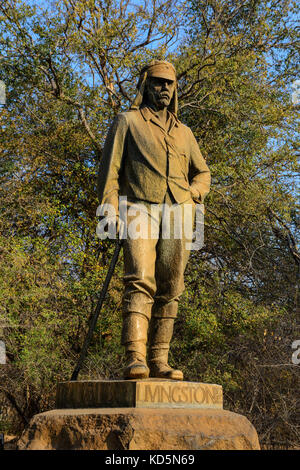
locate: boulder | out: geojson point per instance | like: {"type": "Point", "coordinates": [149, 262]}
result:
{"type": "Point", "coordinates": [139, 429]}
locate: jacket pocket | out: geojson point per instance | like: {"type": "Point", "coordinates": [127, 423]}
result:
{"type": "Point", "coordinates": [183, 160]}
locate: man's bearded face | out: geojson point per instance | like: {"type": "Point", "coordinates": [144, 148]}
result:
{"type": "Point", "coordinates": [159, 91]}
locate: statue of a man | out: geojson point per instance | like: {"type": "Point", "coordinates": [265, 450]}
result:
{"type": "Point", "coordinates": [152, 158]}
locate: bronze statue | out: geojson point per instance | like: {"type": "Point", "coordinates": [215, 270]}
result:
{"type": "Point", "coordinates": [152, 158]}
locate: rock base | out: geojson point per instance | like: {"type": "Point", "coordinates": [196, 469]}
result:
{"type": "Point", "coordinates": [139, 429]}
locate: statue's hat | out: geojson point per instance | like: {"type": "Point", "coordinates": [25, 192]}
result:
{"type": "Point", "coordinates": [161, 69]}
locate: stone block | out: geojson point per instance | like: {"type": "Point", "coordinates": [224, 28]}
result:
{"type": "Point", "coordinates": [149, 393]}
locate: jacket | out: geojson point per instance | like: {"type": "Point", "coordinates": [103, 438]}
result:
{"type": "Point", "coordinates": [142, 159]}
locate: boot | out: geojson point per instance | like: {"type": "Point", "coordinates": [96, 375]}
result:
{"type": "Point", "coordinates": [134, 338]}
{"type": "Point", "coordinates": [161, 331]}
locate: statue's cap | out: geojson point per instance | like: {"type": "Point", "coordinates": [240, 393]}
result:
{"type": "Point", "coordinates": [161, 69]}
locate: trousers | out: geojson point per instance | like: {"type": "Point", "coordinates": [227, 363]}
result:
{"type": "Point", "coordinates": [155, 255]}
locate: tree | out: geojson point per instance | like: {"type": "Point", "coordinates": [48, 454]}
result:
{"type": "Point", "coordinates": [69, 68]}
{"type": "Point", "coordinates": [235, 94]}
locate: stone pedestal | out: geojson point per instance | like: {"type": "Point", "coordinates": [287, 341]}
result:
{"type": "Point", "coordinates": [151, 414]}
{"type": "Point", "coordinates": [149, 393]}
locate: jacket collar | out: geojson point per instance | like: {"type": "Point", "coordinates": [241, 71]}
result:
{"type": "Point", "coordinates": [149, 115]}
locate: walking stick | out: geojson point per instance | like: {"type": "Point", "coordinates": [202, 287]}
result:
{"type": "Point", "coordinates": [97, 310]}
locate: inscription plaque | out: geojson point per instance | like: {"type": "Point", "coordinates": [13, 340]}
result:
{"type": "Point", "coordinates": [149, 393]}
